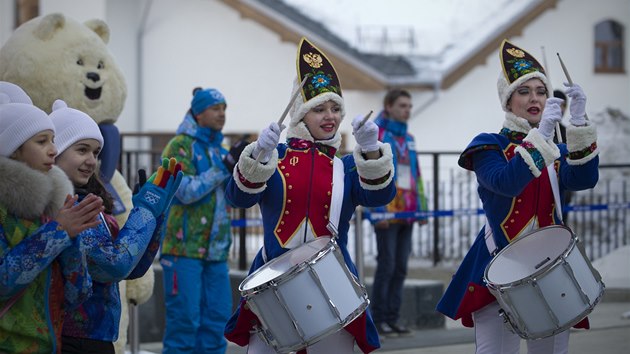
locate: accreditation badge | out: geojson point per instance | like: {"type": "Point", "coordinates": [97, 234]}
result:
{"type": "Point", "coordinates": [403, 176]}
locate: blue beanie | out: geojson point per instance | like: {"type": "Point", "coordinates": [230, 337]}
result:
{"type": "Point", "coordinates": [204, 98]}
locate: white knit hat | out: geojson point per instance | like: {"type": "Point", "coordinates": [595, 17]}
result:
{"type": "Point", "coordinates": [72, 125]}
{"type": "Point", "coordinates": [518, 67]}
{"type": "Point", "coordinates": [18, 123]}
{"type": "Point", "coordinates": [14, 92]}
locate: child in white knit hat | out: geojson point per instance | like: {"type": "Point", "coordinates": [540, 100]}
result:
{"type": "Point", "coordinates": [113, 254]}
{"type": "Point", "coordinates": [38, 229]}
{"type": "Point", "coordinates": [14, 92]}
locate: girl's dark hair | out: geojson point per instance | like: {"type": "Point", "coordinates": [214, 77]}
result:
{"type": "Point", "coordinates": [96, 187]}
{"type": "Point", "coordinates": [392, 95]}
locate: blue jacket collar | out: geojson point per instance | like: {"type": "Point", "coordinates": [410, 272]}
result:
{"type": "Point", "coordinates": [390, 125]}
{"type": "Point", "coordinates": [190, 127]}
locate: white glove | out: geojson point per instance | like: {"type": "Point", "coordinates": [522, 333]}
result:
{"type": "Point", "coordinates": [577, 108]}
{"type": "Point", "coordinates": [267, 142]}
{"type": "Point", "coordinates": [551, 115]}
{"type": "Point", "coordinates": [367, 135]}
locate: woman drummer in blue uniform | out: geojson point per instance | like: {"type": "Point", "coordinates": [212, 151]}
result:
{"type": "Point", "coordinates": [293, 184]}
{"type": "Point", "coordinates": [515, 187]}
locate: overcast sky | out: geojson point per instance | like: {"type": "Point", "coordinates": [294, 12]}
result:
{"type": "Point", "coordinates": [434, 24]}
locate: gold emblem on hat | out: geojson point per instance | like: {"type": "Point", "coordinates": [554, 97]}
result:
{"type": "Point", "coordinates": [517, 53]}
{"type": "Point", "coordinates": [313, 59]}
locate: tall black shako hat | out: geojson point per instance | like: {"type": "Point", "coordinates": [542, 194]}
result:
{"type": "Point", "coordinates": [518, 66]}
{"type": "Point", "coordinates": [322, 84]}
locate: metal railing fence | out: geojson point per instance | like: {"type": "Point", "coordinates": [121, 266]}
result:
{"type": "Point", "coordinates": [600, 216]}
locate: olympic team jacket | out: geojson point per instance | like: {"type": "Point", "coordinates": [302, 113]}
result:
{"type": "Point", "coordinates": [113, 255]}
{"type": "Point", "coordinates": [409, 185]}
{"type": "Point", "coordinates": [41, 267]}
{"type": "Point", "coordinates": [295, 193]}
{"type": "Point", "coordinates": [198, 223]}
{"type": "Point", "coordinates": [515, 190]}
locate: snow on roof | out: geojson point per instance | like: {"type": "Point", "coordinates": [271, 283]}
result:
{"type": "Point", "coordinates": [433, 35]}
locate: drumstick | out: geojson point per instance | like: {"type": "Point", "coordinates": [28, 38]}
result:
{"type": "Point", "coordinates": [365, 119]}
{"type": "Point", "coordinates": [284, 114]}
{"type": "Point", "coordinates": [566, 73]}
{"type": "Point", "coordinates": [558, 132]}
{"type": "Point", "coordinates": [293, 97]}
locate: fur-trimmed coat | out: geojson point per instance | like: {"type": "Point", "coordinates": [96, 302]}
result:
{"type": "Point", "coordinates": [296, 194]}
{"type": "Point", "coordinates": [516, 192]}
{"type": "Point", "coordinates": [41, 267]}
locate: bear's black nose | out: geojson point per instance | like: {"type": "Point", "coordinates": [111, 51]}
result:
{"type": "Point", "coordinates": [93, 76]}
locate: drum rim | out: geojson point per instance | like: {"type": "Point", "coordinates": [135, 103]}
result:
{"type": "Point", "coordinates": [330, 246]}
{"type": "Point", "coordinates": [544, 334]}
{"type": "Point", "coordinates": [262, 331]}
{"type": "Point", "coordinates": [538, 273]}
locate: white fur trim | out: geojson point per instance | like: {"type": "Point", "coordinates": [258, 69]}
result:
{"type": "Point", "coordinates": [547, 149]}
{"type": "Point", "coordinates": [62, 187]}
{"type": "Point", "coordinates": [28, 193]}
{"type": "Point", "coordinates": [579, 138]}
{"type": "Point", "coordinates": [505, 89]}
{"type": "Point", "coordinates": [299, 107]}
{"type": "Point", "coordinates": [301, 132]}
{"type": "Point", "coordinates": [375, 169]}
{"type": "Point", "coordinates": [516, 123]}
{"type": "Point", "coordinates": [255, 172]}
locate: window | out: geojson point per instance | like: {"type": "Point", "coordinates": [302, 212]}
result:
{"type": "Point", "coordinates": [609, 47]}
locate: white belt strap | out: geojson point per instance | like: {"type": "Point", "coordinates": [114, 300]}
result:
{"type": "Point", "coordinates": [336, 199]}
{"type": "Point", "coordinates": [553, 179]}
{"type": "Point", "coordinates": [489, 238]}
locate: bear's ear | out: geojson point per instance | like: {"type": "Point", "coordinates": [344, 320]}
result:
{"type": "Point", "coordinates": [49, 25]}
{"type": "Point", "coordinates": [100, 28]}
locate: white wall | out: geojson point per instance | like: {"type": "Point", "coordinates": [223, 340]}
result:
{"type": "Point", "coordinates": [7, 19]}
{"type": "Point", "coordinates": [472, 106]}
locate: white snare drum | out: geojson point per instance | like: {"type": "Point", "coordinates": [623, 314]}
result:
{"type": "Point", "coordinates": [304, 295]}
{"type": "Point", "coordinates": [543, 283]}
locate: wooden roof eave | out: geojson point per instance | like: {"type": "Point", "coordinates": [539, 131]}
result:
{"type": "Point", "coordinates": [356, 75]}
